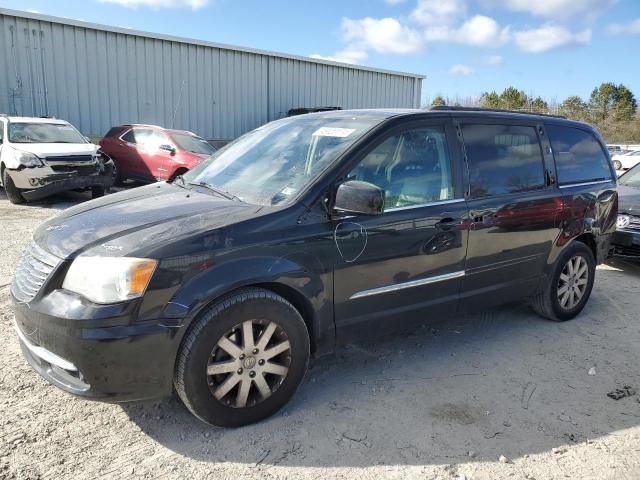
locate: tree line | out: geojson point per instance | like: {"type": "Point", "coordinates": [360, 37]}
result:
{"type": "Point", "coordinates": [612, 108]}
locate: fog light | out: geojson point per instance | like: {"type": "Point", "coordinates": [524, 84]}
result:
{"type": "Point", "coordinates": [33, 182]}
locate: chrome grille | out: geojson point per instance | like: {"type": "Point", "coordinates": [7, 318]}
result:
{"type": "Point", "coordinates": [70, 158]}
{"type": "Point", "coordinates": [33, 270]}
{"type": "Point", "coordinates": [634, 223]}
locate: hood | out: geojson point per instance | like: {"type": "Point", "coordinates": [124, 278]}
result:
{"type": "Point", "coordinates": [56, 149]}
{"type": "Point", "coordinates": [137, 220]}
{"type": "Point", "coordinates": [628, 200]}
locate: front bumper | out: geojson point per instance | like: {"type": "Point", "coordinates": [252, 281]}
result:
{"type": "Point", "coordinates": [96, 351]}
{"type": "Point", "coordinates": [39, 182]}
{"type": "Point", "coordinates": [626, 243]}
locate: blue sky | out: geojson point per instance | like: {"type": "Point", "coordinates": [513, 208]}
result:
{"type": "Point", "coordinates": [552, 48]}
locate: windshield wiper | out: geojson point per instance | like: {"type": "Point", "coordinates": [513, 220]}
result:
{"type": "Point", "coordinates": [222, 193]}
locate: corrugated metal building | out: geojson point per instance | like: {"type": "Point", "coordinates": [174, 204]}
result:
{"type": "Point", "coordinates": [97, 76]}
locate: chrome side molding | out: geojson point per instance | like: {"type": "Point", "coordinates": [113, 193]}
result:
{"type": "Point", "coordinates": [411, 284]}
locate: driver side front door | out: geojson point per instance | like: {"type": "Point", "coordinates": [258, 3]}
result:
{"type": "Point", "coordinates": [408, 261]}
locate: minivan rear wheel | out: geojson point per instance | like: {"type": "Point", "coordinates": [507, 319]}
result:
{"type": "Point", "coordinates": [570, 285]}
{"type": "Point", "coordinates": [242, 359]}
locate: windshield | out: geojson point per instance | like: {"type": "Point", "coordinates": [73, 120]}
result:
{"type": "Point", "coordinates": [271, 164]}
{"type": "Point", "coordinates": [22, 132]}
{"type": "Point", "coordinates": [193, 144]}
{"type": "Point", "coordinates": [631, 178]}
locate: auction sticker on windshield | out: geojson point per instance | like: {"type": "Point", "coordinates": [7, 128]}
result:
{"type": "Point", "coordinates": [333, 132]}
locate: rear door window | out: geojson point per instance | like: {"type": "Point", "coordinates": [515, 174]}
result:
{"type": "Point", "coordinates": [503, 159]}
{"type": "Point", "coordinates": [579, 156]}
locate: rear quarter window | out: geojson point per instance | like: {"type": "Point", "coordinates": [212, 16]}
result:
{"type": "Point", "coordinates": [579, 156]}
{"type": "Point", "coordinates": [114, 131]}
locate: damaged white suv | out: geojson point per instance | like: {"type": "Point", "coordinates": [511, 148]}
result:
{"type": "Point", "coordinates": [43, 156]}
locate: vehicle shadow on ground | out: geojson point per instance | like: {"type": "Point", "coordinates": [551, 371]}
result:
{"type": "Point", "coordinates": [500, 382]}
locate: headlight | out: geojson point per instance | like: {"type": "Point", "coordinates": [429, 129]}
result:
{"type": "Point", "coordinates": [623, 221]}
{"type": "Point", "coordinates": [109, 280]}
{"type": "Point", "coordinates": [28, 159]}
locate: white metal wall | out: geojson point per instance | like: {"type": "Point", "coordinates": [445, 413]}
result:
{"type": "Point", "coordinates": [96, 77]}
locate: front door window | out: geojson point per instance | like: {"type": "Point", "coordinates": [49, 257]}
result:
{"type": "Point", "coordinates": [412, 167]}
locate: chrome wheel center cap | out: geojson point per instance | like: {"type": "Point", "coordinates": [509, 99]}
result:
{"type": "Point", "coordinates": [249, 362]}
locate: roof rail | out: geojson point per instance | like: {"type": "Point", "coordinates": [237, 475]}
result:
{"type": "Point", "coordinates": [143, 125]}
{"type": "Point", "coordinates": [444, 108]}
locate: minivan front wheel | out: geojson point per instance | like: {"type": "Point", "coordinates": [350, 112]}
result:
{"type": "Point", "coordinates": [570, 285]}
{"type": "Point", "coordinates": [242, 359]}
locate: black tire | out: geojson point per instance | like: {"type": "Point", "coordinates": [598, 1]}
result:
{"type": "Point", "coordinates": [548, 303]}
{"type": "Point", "coordinates": [97, 192]}
{"type": "Point", "coordinates": [10, 189]}
{"type": "Point", "coordinates": [191, 378]}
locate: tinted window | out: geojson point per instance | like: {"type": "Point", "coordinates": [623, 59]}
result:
{"type": "Point", "coordinates": [138, 135]}
{"type": "Point", "coordinates": [113, 131]}
{"type": "Point", "coordinates": [193, 144]}
{"type": "Point", "coordinates": [503, 159]}
{"type": "Point", "coordinates": [412, 167]}
{"type": "Point", "coordinates": [579, 156]}
{"type": "Point", "coordinates": [129, 137]}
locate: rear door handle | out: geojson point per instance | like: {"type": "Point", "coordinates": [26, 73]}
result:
{"type": "Point", "coordinates": [447, 223]}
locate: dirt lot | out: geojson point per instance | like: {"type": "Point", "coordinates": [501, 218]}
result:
{"type": "Point", "coordinates": [444, 402]}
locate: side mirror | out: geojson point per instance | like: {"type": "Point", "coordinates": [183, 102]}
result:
{"type": "Point", "coordinates": [359, 197]}
{"type": "Point", "coordinates": [168, 148]}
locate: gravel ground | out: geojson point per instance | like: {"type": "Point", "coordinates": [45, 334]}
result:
{"type": "Point", "coordinates": [447, 401]}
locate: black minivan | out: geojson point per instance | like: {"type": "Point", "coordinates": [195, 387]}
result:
{"type": "Point", "coordinates": [301, 233]}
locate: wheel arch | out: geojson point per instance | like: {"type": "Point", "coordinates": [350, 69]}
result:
{"type": "Point", "coordinates": [299, 301]}
{"type": "Point", "coordinates": [308, 290]}
{"type": "Point", "coordinates": [589, 240]}
{"type": "Point", "coordinates": [178, 171]}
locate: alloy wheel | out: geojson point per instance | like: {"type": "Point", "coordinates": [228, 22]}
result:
{"type": "Point", "coordinates": [573, 281]}
{"type": "Point", "coordinates": [249, 363]}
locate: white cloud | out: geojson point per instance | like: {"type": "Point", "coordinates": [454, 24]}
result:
{"type": "Point", "coordinates": [632, 27]}
{"type": "Point", "coordinates": [193, 4]}
{"type": "Point", "coordinates": [393, 3]}
{"type": "Point", "coordinates": [549, 37]}
{"type": "Point", "coordinates": [478, 31]}
{"type": "Point", "coordinates": [564, 9]}
{"type": "Point", "coordinates": [493, 60]}
{"type": "Point", "coordinates": [460, 70]}
{"type": "Point", "coordinates": [384, 35]}
{"type": "Point", "coordinates": [344, 56]}
{"type": "Point", "coordinates": [438, 12]}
